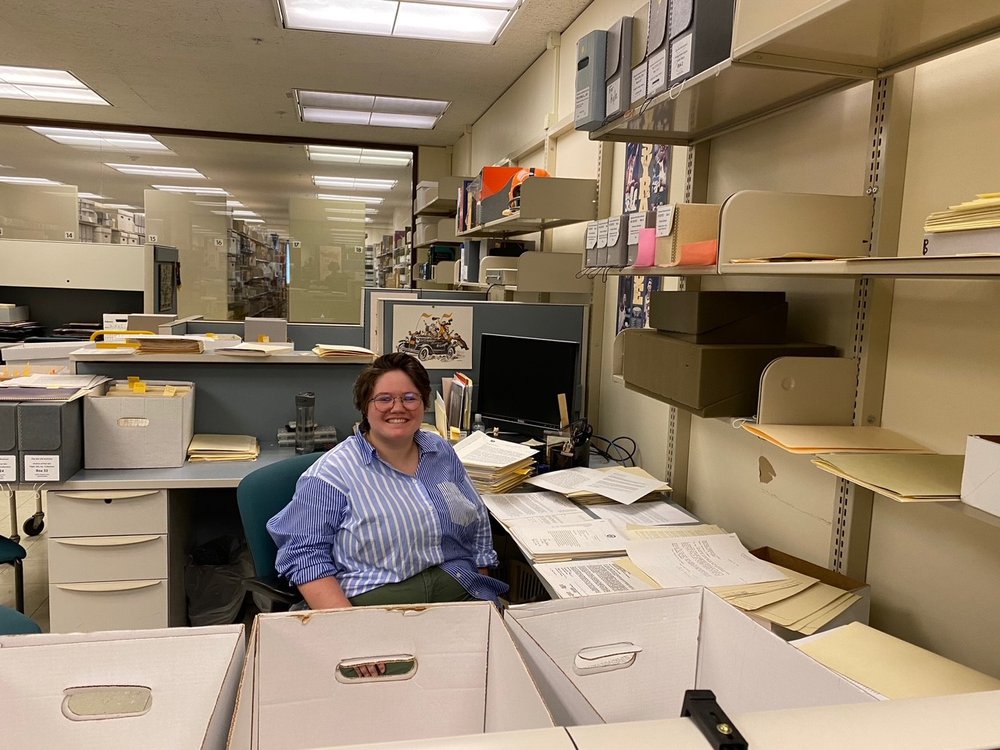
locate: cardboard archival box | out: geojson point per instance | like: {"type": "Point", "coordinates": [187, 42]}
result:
{"type": "Point", "coordinates": [554, 738]}
{"type": "Point", "coordinates": [169, 689]}
{"type": "Point", "coordinates": [710, 380]}
{"type": "Point", "coordinates": [857, 612]}
{"type": "Point", "coordinates": [690, 223]}
{"type": "Point", "coordinates": [138, 431]}
{"type": "Point", "coordinates": [44, 357]}
{"type": "Point", "coordinates": [49, 440]}
{"type": "Point", "coordinates": [981, 473]}
{"type": "Point", "coordinates": [720, 317]}
{"type": "Point", "coordinates": [461, 674]}
{"type": "Point", "coordinates": [627, 657]}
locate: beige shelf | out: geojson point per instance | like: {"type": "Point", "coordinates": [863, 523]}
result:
{"type": "Point", "coordinates": [438, 198]}
{"type": "Point", "coordinates": [790, 52]}
{"type": "Point", "coordinates": [873, 35]}
{"type": "Point", "coordinates": [546, 202]}
{"type": "Point", "coordinates": [435, 232]}
{"type": "Point", "coordinates": [724, 97]}
{"type": "Point", "coordinates": [899, 267]}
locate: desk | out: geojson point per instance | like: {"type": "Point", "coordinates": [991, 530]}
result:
{"type": "Point", "coordinates": [119, 540]}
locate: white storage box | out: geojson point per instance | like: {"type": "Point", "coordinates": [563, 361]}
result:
{"type": "Point", "coordinates": [170, 689]}
{"type": "Point", "coordinates": [44, 357]}
{"type": "Point", "coordinates": [981, 473]}
{"type": "Point", "coordinates": [464, 677]}
{"type": "Point", "coordinates": [13, 313]}
{"type": "Point", "coordinates": [626, 657]}
{"type": "Point", "coordinates": [123, 429]}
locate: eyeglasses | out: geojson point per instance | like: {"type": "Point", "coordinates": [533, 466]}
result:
{"type": "Point", "coordinates": [384, 402]}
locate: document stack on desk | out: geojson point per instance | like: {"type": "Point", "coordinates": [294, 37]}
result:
{"type": "Point", "coordinates": [495, 465]}
{"type": "Point", "coordinates": [544, 542]}
{"type": "Point", "coordinates": [45, 387]}
{"type": "Point", "coordinates": [149, 344]}
{"type": "Point", "coordinates": [624, 485]}
{"type": "Point", "coordinates": [223, 448]}
{"type": "Point", "coordinates": [253, 349]}
{"type": "Point", "coordinates": [344, 354]}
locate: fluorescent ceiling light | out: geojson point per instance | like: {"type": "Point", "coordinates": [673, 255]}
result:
{"type": "Point", "coordinates": [253, 221]}
{"type": "Point", "coordinates": [123, 206]}
{"type": "Point", "coordinates": [363, 156]}
{"type": "Point", "coordinates": [473, 21]}
{"type": "Point", "coordinates": [345, 219]}
{"type": "Point", "coordinates": [243, 212]}
{"type": "Point", "coordinates": [359, 211]}
{"type": "Point", "coordinates": [355, 198]}
{"type": "Point", "coordinates": [367, 109]}
{"type": "Point", "coordinates": [189, 189]}
{"type": "Point", "coordinates": [45, 85]}
{"type": "Point", "coordinates": [103, 140]}
{"type": "Point", "coordinates": [353, 183]}
{"type": "Point", "coordinates": [149, 169]}
{"type": "Point", "coordinates": [91, 196]}
{"type": "Point", "coordinates": [28, 181]}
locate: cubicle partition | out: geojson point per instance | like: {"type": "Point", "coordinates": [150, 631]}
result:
{"type": "Point", "coordinates": [531, 320]}
{"type": "Point", "coordinates": [304, 335]}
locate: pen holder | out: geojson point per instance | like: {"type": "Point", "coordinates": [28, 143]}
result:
{"type": "Point", "coordinates": [578, 456]}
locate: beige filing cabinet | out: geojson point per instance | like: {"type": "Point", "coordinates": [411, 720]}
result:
{"type": "Point", "coordinates": [109, 560]}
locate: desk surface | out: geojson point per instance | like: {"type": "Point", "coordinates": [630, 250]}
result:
{"type": "Point", "coordinates": [189, 476]}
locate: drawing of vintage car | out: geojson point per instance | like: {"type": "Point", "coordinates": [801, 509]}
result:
{"type": "Point", "coordinates": [424, 345]}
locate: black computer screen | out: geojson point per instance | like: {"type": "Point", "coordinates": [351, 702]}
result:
{"type": "Point", "coordinates": [520, 379]}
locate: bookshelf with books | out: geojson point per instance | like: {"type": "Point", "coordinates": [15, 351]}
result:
{"type": "Point", "coordinates": [256, 274]}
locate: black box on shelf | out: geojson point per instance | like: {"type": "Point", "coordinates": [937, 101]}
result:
{"type": "Point", "coordinates": [709, 380]}
{"type": "Point", "coordinates": [720, 317]}
{"type": "Point", "coordinates": [701, 35]}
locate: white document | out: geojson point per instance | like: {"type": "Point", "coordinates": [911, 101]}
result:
{"type": "Point", "coordinates": [586, 539]}
{"type": "Point", "coordinates": [481, 450]}
{"type": "Point", "coordinates": [671, 532]}
{"type": "Point", "coordinates": [617, 484]}
{"type": "Point", "coordinates": [54, 381]}
{"type": "Point", "coordinates": [515, 505]}
{"type": "Point", "coordinates": [654, 513]}
{"type": "Point", "coordinates": [718, 560]}
{"type": "Point", "coordinates": [584, 578]}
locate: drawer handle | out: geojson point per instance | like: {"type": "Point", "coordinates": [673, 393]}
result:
{"type": "Point", "coordinates": [107, 541]}
{"type": "Point", "coordinates": [108, 586]}
{"type": "Point", "coordinates": [111, 495]}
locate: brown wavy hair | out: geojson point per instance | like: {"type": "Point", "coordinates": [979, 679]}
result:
{"type": "Point", "coordinates": [364, 386]}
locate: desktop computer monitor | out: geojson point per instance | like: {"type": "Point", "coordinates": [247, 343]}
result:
{"type": "Point", "coordinates": [520, 379]}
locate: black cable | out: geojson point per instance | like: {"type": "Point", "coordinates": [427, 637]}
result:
{"type": "Point", "coordinates": [624, 456]}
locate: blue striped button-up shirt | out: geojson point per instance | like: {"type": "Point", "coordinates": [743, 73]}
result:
{"type": "Point", "coordinates": [357, 519]}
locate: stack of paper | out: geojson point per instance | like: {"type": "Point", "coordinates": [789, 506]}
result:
{"type": "Point", "coordinates": [495, 465]}
{"type": "Point", "coordinates": [546, 508]}
{"type": "Point", "coordinates": [148, 344]}
{"type": "Point", "coordinates": [223, 448]}
{"type": "Point", "coordinates": [586, 577]}
{"type": "Point", "coordinates": [252, 349]}
{"type": "Point", "coordinates": [344, 354]}
{"type": "Point", "coordinates": [45, 387]}
{"type": "Point", "coordinates": [545, 542]}
{"type": "Point", "coordinates": [623, 485]}
{"type": "Point", "coordinates": [904, 477]}
{"type": "Point", "coordinates": [981, 213]}
{"type": "Point", "coordinates": [804, 438]}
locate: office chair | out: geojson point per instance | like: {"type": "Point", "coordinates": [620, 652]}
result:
{"type": "Point", "coordinates": [13, 622]}
{"type": "Point", "coordinates": [260, 495]}
{"type": "Point", "coordinates": [12, 553]}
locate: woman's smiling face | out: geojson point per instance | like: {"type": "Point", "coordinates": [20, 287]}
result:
{"type": "Point", "coordinates": [399, 422]}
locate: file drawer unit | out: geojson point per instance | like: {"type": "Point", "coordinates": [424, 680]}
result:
{"type": "Point", "coordinates": [109, 561]}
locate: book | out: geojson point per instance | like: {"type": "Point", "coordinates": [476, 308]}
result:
{"type": "Point", "coordinates": [252, 349]}
{"type": "Point", "coordinates": [344, 353]}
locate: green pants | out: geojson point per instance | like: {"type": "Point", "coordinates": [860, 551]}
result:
{"type": "Point", "coordinates": [426, 587]}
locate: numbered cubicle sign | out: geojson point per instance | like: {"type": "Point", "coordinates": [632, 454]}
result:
{"type": "Point", "coordinates": [152, 239]}
{"type": "Point", "coordinates": [296, 244]}
{"type": "Point", "coordinates": [219, 242]}
{"type": "Point", "coordinates": [69, 235]}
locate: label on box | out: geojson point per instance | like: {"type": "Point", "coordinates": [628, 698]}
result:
{"type": "Point", "coordinates": [613, 100]}
{"type": "Point", "coordinates": [614, 230]}
{"type": "Point", "coordinates": [636, 222]}
{"type": "Point", "coordinates": [680, 57]}
{"type": "Point", "coordinates": [8, 468]}
{"type": "Point", "coordinates": [602, 233]}
{"type": "Point", "coordinates": [664, 220]}
{"type": "Point", "coordinates": [582, 104]}
{"type": "Point", "coordinates": [591, 241]}
{"type": "Point", "coordinates": [657, 78]}
{"type": "Point", "coordinates": [41, 468]}
{"type": "Point", "coordinates": [639, 82]}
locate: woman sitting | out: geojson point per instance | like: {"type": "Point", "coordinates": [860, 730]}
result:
{"type": "Point", "coordinates": [389, 516]}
